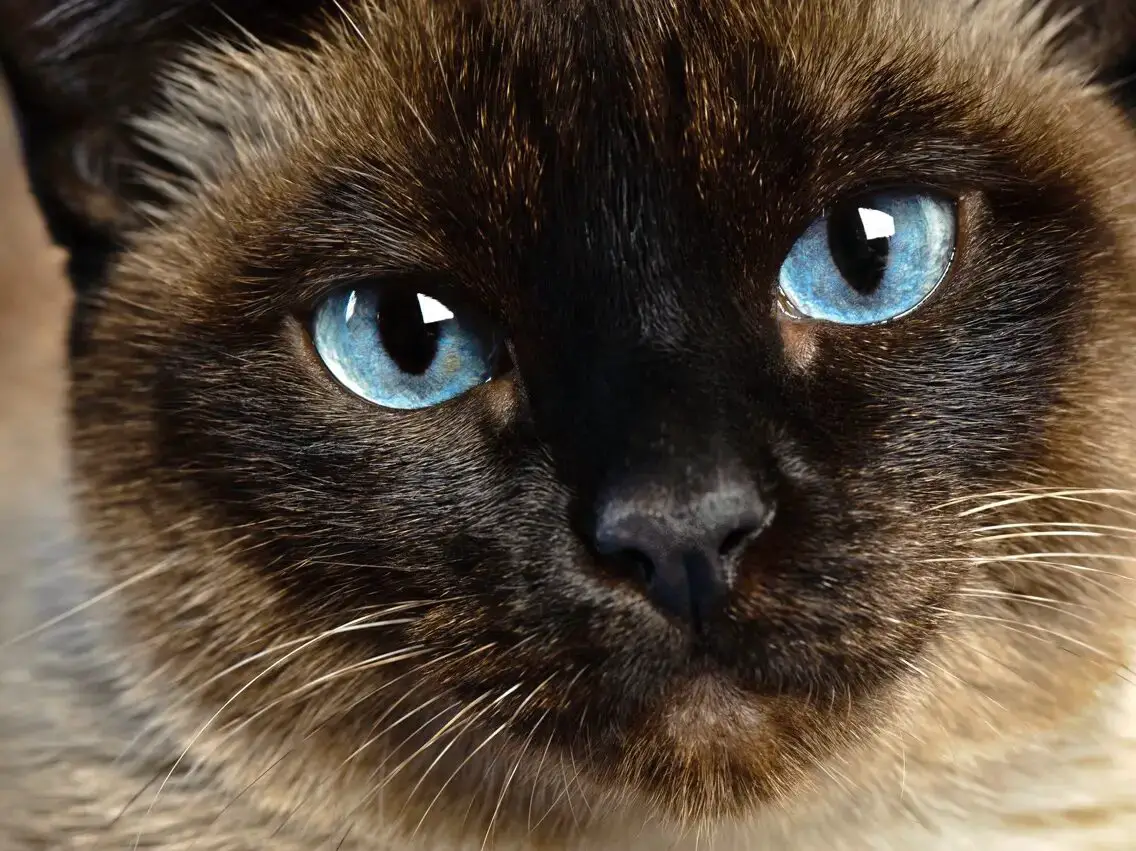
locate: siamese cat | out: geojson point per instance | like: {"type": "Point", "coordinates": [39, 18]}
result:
{"type": "Point", "coordinates": [592, 424]}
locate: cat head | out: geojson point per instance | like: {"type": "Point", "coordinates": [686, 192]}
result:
{"type": "Point", "coordinates": [688, 409]}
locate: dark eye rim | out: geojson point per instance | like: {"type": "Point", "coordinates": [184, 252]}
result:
{"type": "Point", "coordinates": [867, 190]}
{"type": "Point", "coordinates": [966, 202]}
{"type": "Point", "coordinates": [433, 286]}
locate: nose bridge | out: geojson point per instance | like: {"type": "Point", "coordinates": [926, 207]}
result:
{"type": "Point", "coordinates": [621, 410]}
{"type": "Point", "coordinates": [685, 497]}
{"type": "Point", "coordinates": [672, 428]}
{"type": "Point", "coordinates": [665, 496]}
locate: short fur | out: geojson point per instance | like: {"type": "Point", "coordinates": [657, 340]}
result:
{"type": "Point", "coordinates": [323, 622]}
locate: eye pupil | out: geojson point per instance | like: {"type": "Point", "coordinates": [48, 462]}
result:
{"type": "Point", "coordinates": [859, 239]}
{"type": "Point", "coordinates": [406, 335]}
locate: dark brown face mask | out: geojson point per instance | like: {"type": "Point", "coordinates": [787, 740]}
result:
{"type": "Point", "coordinates": [677, 480]}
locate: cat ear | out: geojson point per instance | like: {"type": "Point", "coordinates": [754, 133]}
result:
{"type": "Point", "coordinates": [80, 72]}
{"type": "Point", "coordinates": [1102, 35]}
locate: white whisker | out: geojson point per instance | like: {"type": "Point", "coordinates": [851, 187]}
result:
{"type": "Point", "coordinates": [1010, 497]}
{"type": "Point", "coordinates": [141, 576]}
{"type": "Point", "coordinates": [1031, 559]}
{"type": "Point", "coordinates": [468, 722]}
{"type": "Point", "coordinates": [348, 627]}
{"type": "Point", "coordinates": [1037, 632]}
{"type": "Point", "coordinates": [565, 792]}
{"type": "Point", "coordinates": [1075, 496]}
{"type": "Point", "coordinates": [1100, 527]}
{"type": "Point", "coordinates": [381, 660]}
{"type": "Point", "coordinates": [520, 758]}
{"type": "Point", "coordinates": [1059, 606]}
{"type": "Point", "coordinates": [1070, 533]}
{"type": "Point", "coordinates": [185, 696]}
{"type": "Point", "coordinates": [956, 678]}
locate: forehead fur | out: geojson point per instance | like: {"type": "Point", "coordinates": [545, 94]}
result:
{"type": "Point", "coordinates": [391, 79]}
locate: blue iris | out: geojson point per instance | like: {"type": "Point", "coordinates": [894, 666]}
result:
{"type": "Point", "coordinates": [871, 259]}
{"type": "Point", "coordinates": [402, 349]}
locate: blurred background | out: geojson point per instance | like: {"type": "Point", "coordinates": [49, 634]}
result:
{"type": "Point", "coordinates": [34, 303]}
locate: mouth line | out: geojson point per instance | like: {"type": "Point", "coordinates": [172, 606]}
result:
{"type": "Point", "coordinates": [700, 660]}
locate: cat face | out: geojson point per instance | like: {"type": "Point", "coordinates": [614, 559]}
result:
{"type": "Point", "coordinates": [501, 397]}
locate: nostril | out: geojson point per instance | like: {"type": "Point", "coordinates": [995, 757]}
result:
{"type": "Point", "coordinates": [631, 565]}
{"type": "Point", "coordinates": [736, 539]}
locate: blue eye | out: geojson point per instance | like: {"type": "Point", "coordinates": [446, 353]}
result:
{"type": "Point", "coordinates": [871, 259]}
{"type": "Point", "coordinates": [403, 349]}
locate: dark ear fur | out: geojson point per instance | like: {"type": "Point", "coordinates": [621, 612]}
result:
{"type": "Point", "coordinates": [79, 69]}
{"type": "Point", "coordinates": [1103, 33]}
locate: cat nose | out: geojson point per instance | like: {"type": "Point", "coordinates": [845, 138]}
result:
{"type": "Point", "coordinates": [682, 545]}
